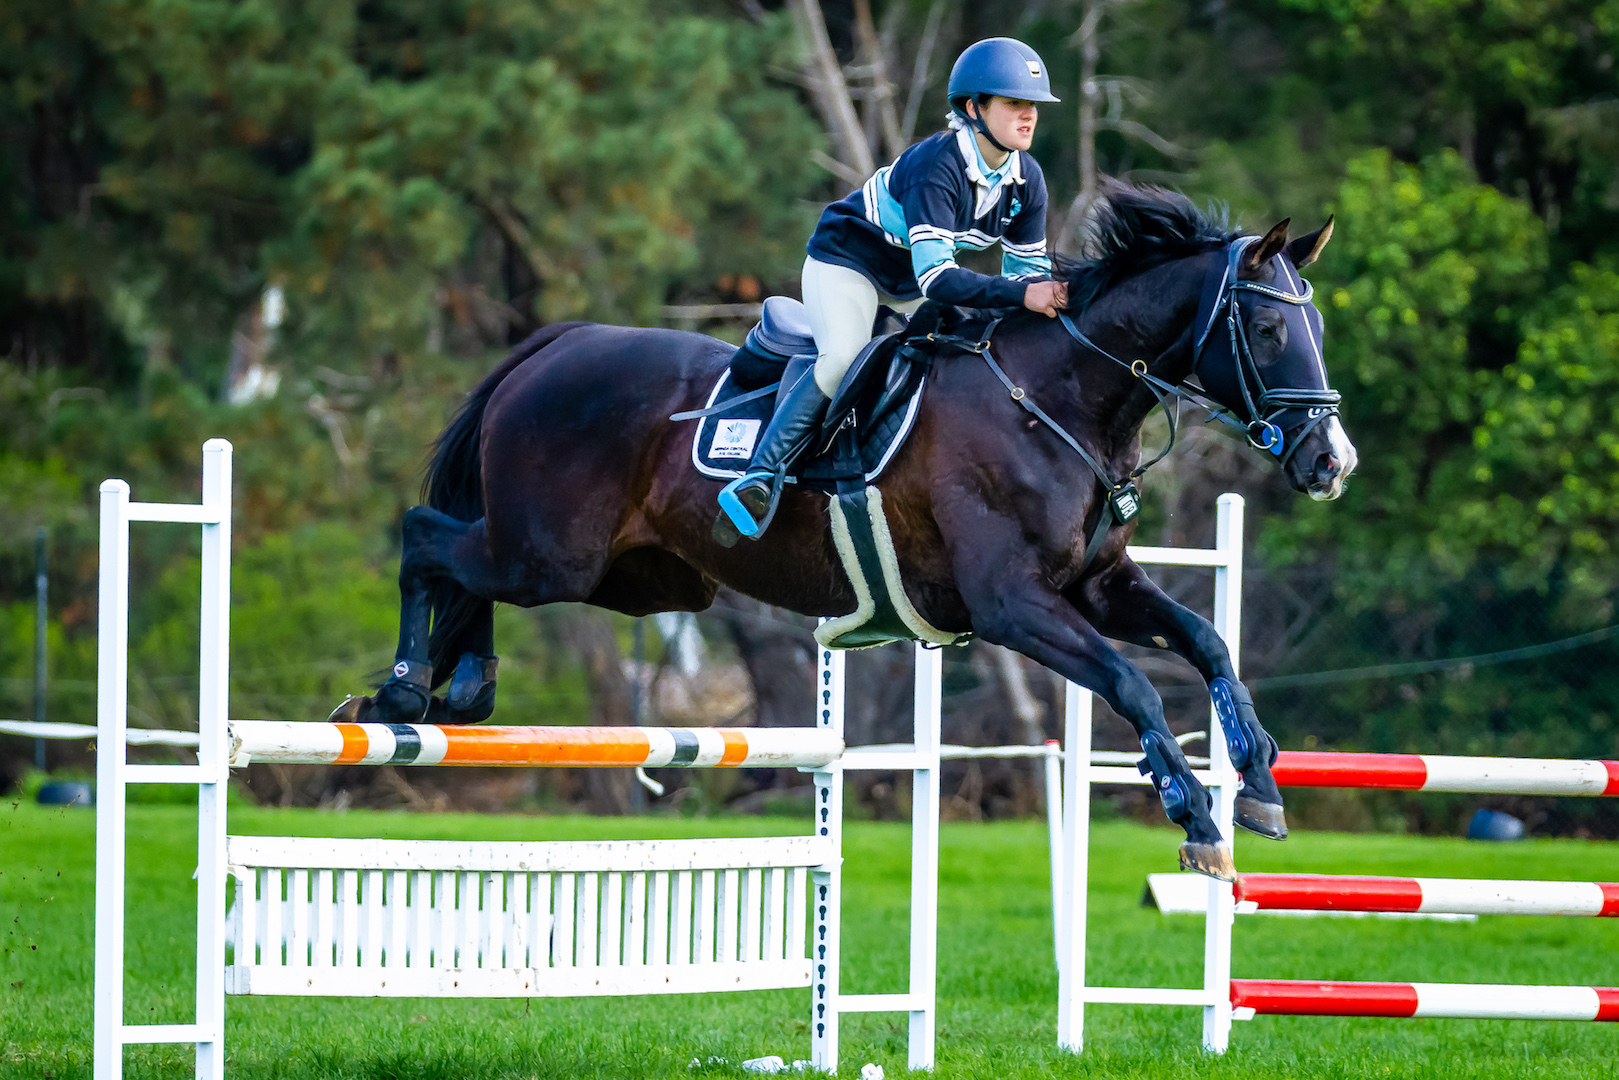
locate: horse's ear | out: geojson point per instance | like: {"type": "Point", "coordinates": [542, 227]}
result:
{"type": "Point", "coordinates": [1306, 249]}
{"type": "Point", "coordinates": [1268, 247]}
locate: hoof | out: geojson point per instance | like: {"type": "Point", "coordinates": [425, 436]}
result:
{"type": "Point", "coordinates": [354, 710]}
{"type": "Point", "coordinates": [1263, 818]}
{"type": "Point", "coordinates": [1211, 859]}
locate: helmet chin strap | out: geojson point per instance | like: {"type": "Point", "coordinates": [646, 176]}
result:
{"type": "Point", "coordinates": [978, 125]}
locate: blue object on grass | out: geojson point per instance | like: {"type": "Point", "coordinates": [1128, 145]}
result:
{"type": "Point", "coordinates": [1494, 825]}
{"type": "Point", "coordinates": [66, 793]}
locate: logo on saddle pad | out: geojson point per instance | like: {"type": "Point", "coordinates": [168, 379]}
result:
{"type": "Point", "coordinates": [734, 439]}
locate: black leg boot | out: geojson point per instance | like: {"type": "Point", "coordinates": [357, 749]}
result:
{"type": "Point", "coordinates": [749, 502]}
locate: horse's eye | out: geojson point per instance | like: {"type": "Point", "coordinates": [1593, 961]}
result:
{"type": "Point", "coordinates": [1267, 330]}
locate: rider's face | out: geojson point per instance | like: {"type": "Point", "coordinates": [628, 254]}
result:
{"type": "Point", "coordinates": [1011, 121]}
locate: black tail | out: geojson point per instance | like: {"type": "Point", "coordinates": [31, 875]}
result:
{"type": "Point", "coordinates": [454, 486]}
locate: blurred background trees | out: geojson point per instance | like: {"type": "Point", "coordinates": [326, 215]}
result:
{"type": "Point", "coordinates": [310, 227]}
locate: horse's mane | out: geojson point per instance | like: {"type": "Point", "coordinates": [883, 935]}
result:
{"type": "Point", "coordinates": [1134, 229]}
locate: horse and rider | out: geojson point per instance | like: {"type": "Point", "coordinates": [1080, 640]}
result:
{"type": "Point", "coordinates": [1012, 499]}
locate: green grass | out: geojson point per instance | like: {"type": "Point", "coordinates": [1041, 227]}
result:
{"type": "Point", "coordinates": [997, 987]}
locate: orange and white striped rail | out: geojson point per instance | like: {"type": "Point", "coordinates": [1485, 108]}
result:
{"type": "Point", "coordinates": [1434, 772]}
{"type": "Point", "coordinates": [1457, 896]}
{"type": "Point", "coordinates": [1477, 1001]}
{"type": "Point", "coordinates": [311, 743]}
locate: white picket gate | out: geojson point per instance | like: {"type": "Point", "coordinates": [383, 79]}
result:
{"type": "Point", "coordinates": [436, 918]}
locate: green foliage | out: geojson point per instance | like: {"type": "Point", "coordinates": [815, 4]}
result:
{"type": "Point", "coordinates": [1546, 475]}
{"type": "Point", "coordinates": [393, 165]}
{"type": "Point", "coordinates": [1422, 286]}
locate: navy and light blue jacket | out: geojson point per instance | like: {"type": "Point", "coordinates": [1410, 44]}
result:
{"type": "Point", "coordinates": [903, 227]}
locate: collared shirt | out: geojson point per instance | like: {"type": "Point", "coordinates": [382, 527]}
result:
{"type": "Point", "coordinates": [903, 227]}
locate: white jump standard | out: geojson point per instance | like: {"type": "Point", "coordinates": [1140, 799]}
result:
{"type": "Point", "coordinates": [334, 917]}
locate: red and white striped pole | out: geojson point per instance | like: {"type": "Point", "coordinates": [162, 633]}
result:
{"type": "Point", "coordinates": [1481, 1001]}
{"type": "Point", "coordinates": [1326, 892]}
{"type": "Point", "coordinates": [1433, 772]}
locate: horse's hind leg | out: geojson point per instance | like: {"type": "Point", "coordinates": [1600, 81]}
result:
{"type": "Point", "coordinates": [447, 585]}
{"type": "Point", "coordinates": [1125, 604]}
{"type": "Point", "coordinates": [1048, 629]}
{"type": "Point", "coordinates": [471, 696]}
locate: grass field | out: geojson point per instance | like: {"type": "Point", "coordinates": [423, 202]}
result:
{"type": "Point", "coordinates": [997, 986]}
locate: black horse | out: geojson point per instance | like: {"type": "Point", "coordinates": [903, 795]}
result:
{"type": "Point", "coordinates": [563, 479]}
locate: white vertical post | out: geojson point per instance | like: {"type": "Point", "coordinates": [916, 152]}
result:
{"type": "Point", "coordinates": [1221, 909]}
{"type": "Point", "coordinates": [925, 857]}
{"type": "Point", "coordinates": [1070, 928]}
{"type": "Point", "coordinates": [1053, 766]}
{"type": "Point", "coordinates": [826, 882]}
{"type": "Point", "coordinates": [112, 690]}
{"type": "Point", "coordinates": [213, 758]}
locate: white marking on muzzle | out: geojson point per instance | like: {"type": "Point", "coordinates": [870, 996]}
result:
{"type": "Point", "coordinates": [1343, 455]}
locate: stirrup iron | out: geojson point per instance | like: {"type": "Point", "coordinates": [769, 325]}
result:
{"type": "Point", "coordinates": [737, 511]}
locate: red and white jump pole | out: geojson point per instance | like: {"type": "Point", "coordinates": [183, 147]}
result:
{"type": "Point", "coordinates": [1472, 1001]}
{"type": "Point", "coordinates": [1433, 772]}
{"type": "Point", "coordinates": [1326, 892]}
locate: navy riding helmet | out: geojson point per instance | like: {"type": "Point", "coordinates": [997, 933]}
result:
{"type": "Point", "coordinates": [1004, 67]}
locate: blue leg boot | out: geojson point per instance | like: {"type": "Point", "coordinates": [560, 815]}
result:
{"type": "Point", "coordinates": [749, 502]}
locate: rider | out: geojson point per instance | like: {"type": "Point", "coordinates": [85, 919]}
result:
{"type": "Point", "coordinates": [894, 239]}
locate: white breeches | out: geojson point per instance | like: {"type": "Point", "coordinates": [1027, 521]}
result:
{"type": "Point", "coordinates": [842, 305]}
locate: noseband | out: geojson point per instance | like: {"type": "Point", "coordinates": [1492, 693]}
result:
{"type": "Point", "coordinates": [1262, 404]}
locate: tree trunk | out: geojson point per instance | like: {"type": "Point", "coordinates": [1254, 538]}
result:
{"type": "Point", "coordinates": [831, 91]}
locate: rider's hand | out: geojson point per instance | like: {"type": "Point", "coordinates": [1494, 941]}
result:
{"type": "Point", "coordinates": [1046, 297]}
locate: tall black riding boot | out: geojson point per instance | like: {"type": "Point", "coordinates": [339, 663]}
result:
{"type": "Point", "coordinates": [749, 501]}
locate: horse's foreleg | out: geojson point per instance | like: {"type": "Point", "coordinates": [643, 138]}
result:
{"type": "Point", "coordinates": [1125, 604]}
{"type": "Point", "coordinates": [1045, 627]}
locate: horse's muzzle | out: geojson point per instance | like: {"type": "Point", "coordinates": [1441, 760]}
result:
{"type": "Point", "coordinates": [1330, 465]}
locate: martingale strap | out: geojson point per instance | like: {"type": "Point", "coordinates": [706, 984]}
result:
{"type": "Point", "coordinates": [1123, 501]}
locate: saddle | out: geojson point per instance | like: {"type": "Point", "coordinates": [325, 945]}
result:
{"type": "Point", "coordinates": [866, 423]}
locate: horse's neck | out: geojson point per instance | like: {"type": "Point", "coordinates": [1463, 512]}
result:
{"type": "Point", "coordinates": [1147, 319]}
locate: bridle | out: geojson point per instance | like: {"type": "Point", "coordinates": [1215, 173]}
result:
{"type": "Point", "coordinates": [1262, 405]}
